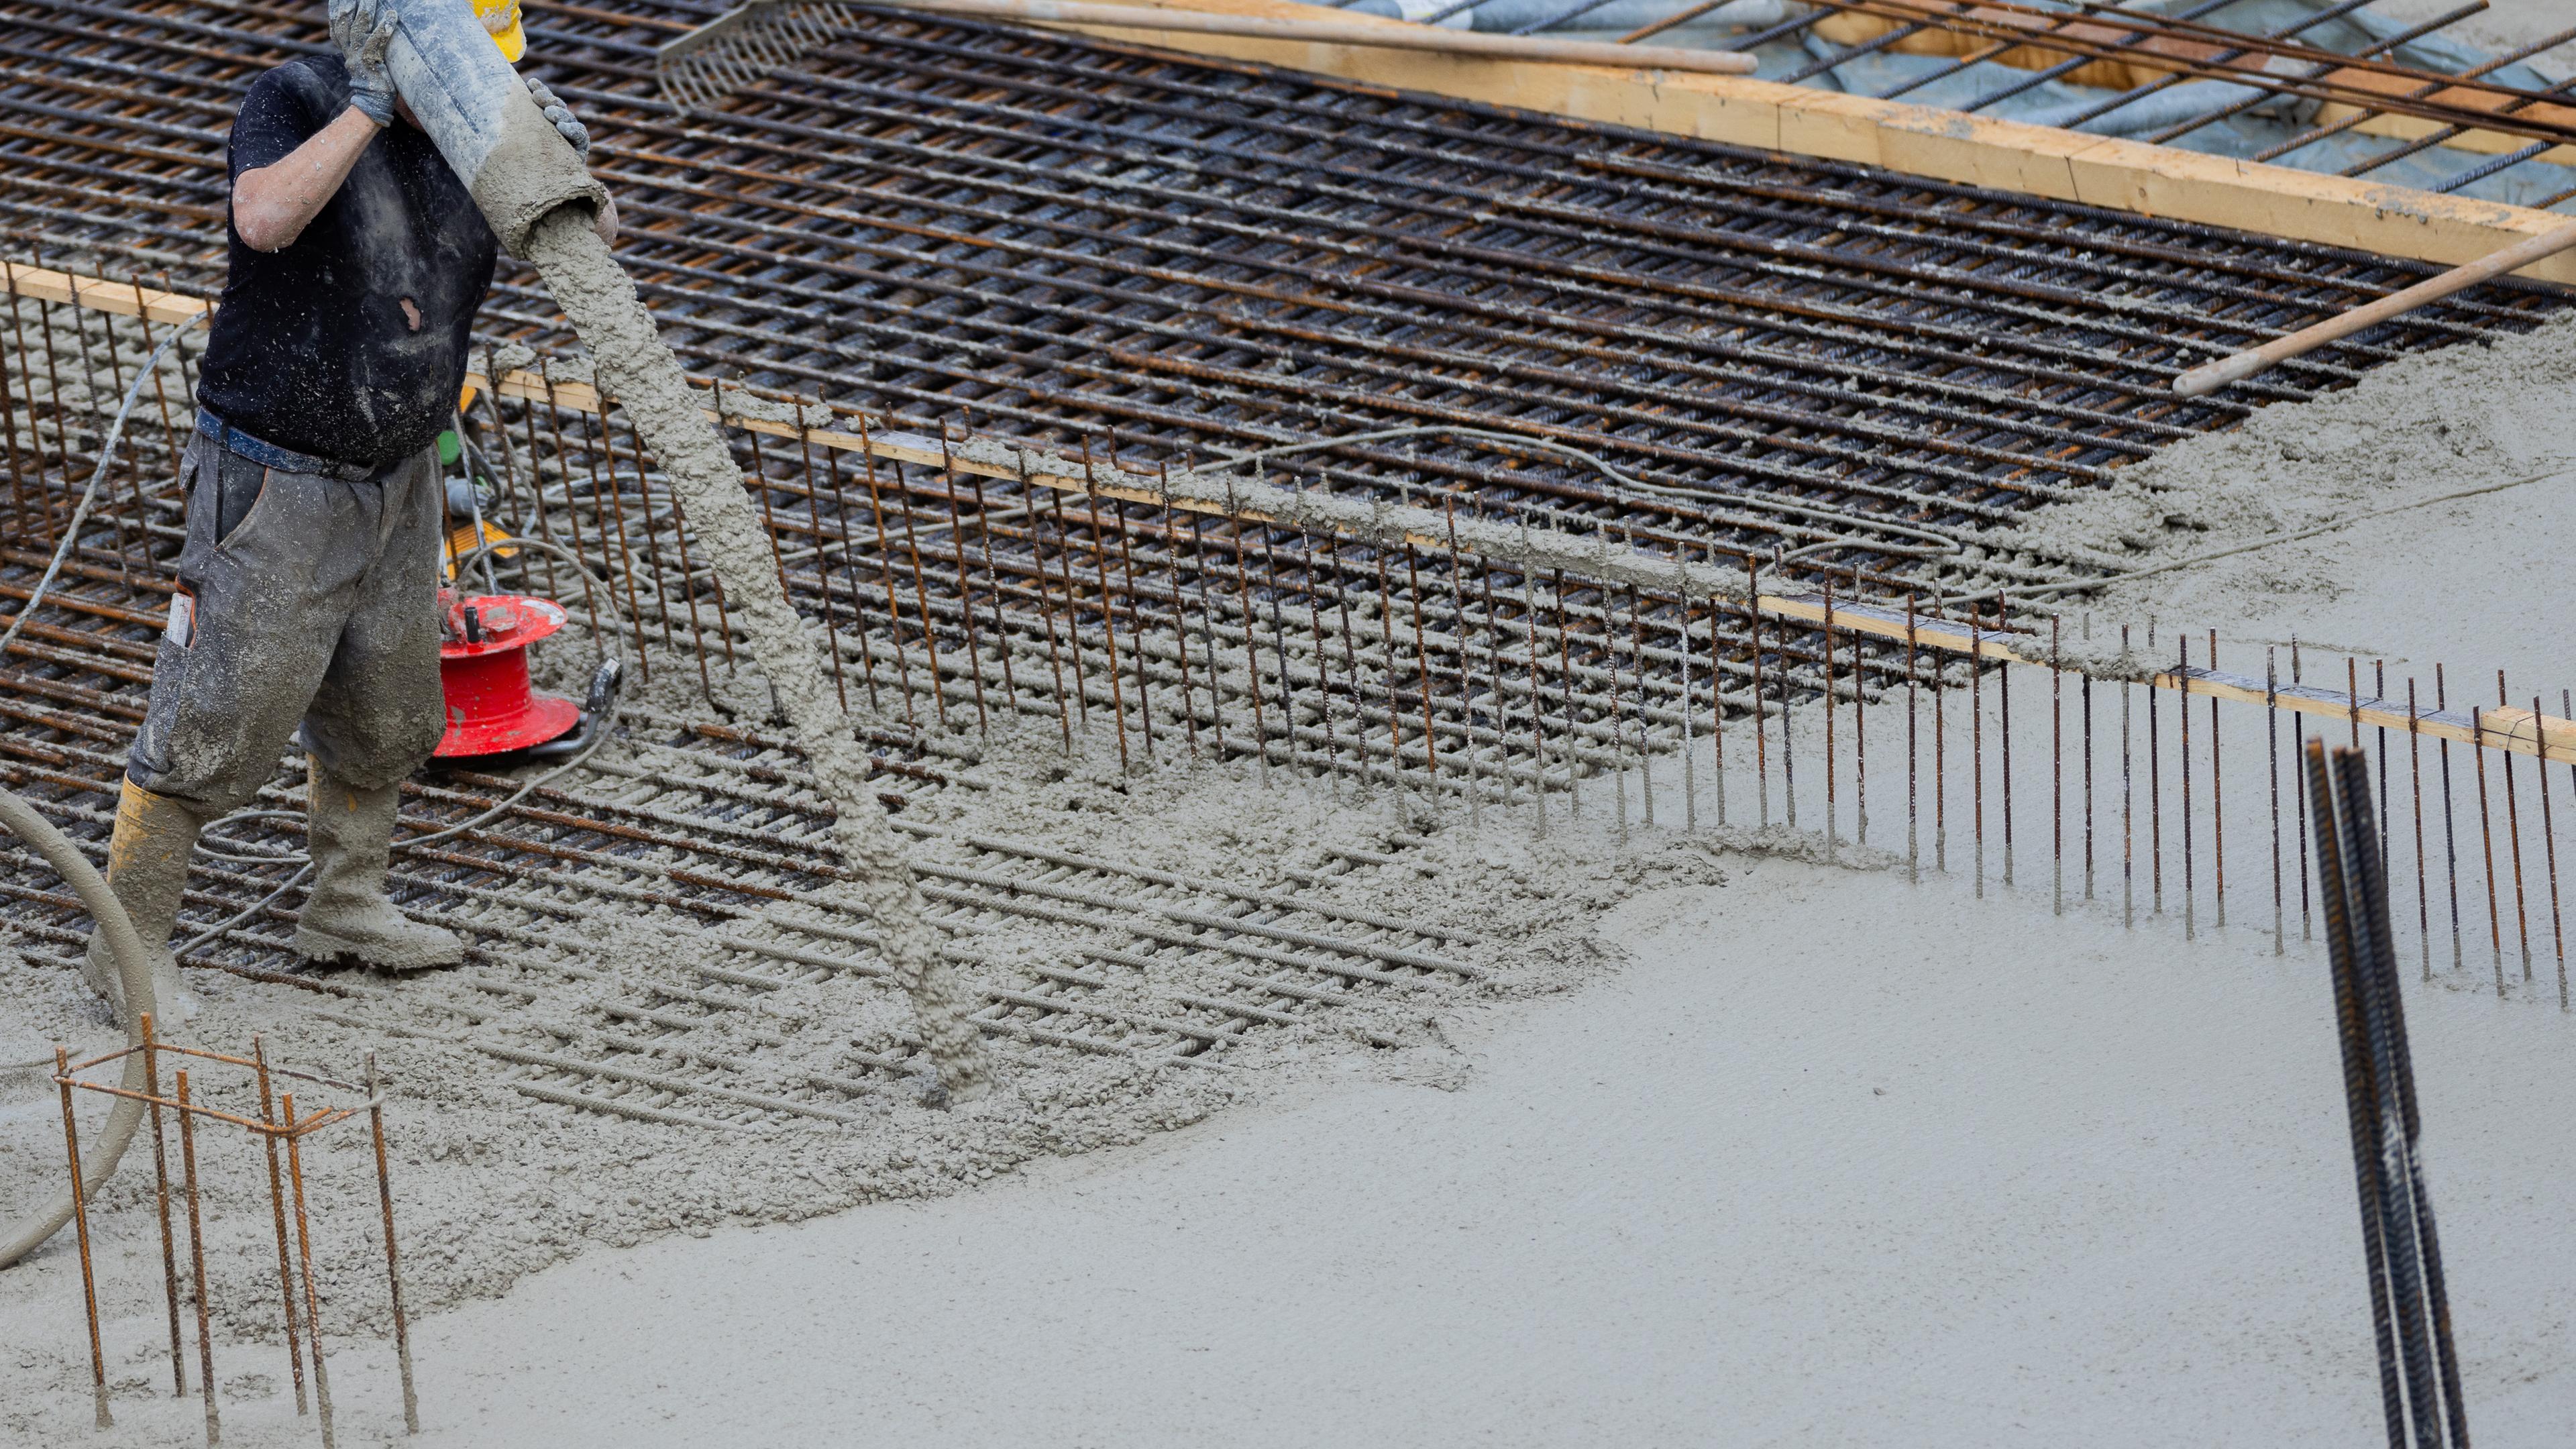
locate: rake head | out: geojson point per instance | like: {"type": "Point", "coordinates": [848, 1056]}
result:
{"type": "Point", "coordinates": [742, 45]}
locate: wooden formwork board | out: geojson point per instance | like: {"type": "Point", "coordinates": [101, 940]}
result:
{"type": "Point", "coordinates": [2519, 731]}
{"type": "Point", "coordinates": [2044, 161]}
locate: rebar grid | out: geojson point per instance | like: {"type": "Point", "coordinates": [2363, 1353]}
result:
{"type": "Point", "coordinates": [705, 834]}
{"type": "Point", "coordinates": [256, 1086]}
{"type": "Point", "coordinates": [1055, 239]}
{"type": "Point", "coordinates": [1832, 374]}
{"type": "Point", "coordinates": [1466, 685]}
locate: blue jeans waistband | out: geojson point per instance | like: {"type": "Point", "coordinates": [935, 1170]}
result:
{"type": "Point", "coordinates": [268, 455]}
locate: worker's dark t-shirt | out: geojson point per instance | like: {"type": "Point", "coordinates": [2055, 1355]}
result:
{"type": "Point", "coordinates": [312, 349]}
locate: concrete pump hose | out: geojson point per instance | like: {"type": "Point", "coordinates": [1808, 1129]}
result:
{"type": "Point", "coordinates": [541, 202]}
{"type": "Point", "coordinates": [134, 968]}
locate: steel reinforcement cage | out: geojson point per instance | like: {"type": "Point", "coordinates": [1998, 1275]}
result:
{"type": "Point", "coordinates": [1458, 664]}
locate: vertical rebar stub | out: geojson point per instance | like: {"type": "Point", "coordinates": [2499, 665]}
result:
{"type": "Point", "coordinates": [278, 1123]}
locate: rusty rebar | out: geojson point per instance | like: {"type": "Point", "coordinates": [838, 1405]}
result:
{"type": "Point", "coordinates": [1351, 669]}
{"type": "Point", "coordinates": [850, 573]}
{"type": "Point", "coordinates": [1716, 704]}
{"type": "Point", "coordinates": [2084, 698]}
{"type": "Point", "coordinates": [616, 505]}
{"type": "Point", "coordinates": [572, 515]}
{"type": "Point", "coordinates": [491, 399]}
{"type": "Point", "coordinates": [1502, 702]}
{"type": "Point", "coordinates": [2155, 802]}
{"type": "Point", "coordinates": [277, 1209]}
{"type": "Point", "coordinates": [1940, 755]}
{"type": "Point", "coordinates": [885, 574]}
{"type": "Point", "coordinates": [1977, 751]}
{"type": "Point", "coordinates": [1207, 639]}
{"type": "Point", "coordinates": [2272, 744]}
{"type": "Point", "coordinates": [1565, 692]}
{"type": "Point", "coordinates": [1001, 630]}
{"type": "Point", "coordinates": [197, 1261]}
{"type": "Point", "coordinates": [2513, 835]}
{"type": "Point", "coordinates": [1252, 663]}
{"type": "Point", "coordinates": [1761, 744]}
{"type": "Point", "coordinates": [1136, 620]}
{"type": "Point", "coordinates": [80, 1222]}
{"type": "Point", "coordinates": [822, 561]}
{"type": "Point", "coordinates": [2128, 820]}
{"type": "Point", "coordinates": [1788, 751]}
{"type": "Point", "coordinates": [1422, 663]}
{"type": "Point", "coordinates": [161, 1203]}
{"type": "Point", "coordinates": [1913, 842]}
{"type": "Point", "coordinates": [304, 1255]}
{"type": "Point", "coordinates": [1278, 582]}
{"type": "Point", "coordinates": [2415, 769]}
{"type": "Point", "coordinates": [2450, 833]}
{"type": "Point", "coordinates": [1690, 747]}
{"type": "Point", "coordinates": [1046, 611]}
{"type": "Point", "coordinates": [375, 1083]}
{"type": "Point", "coordinates": [2003, 735]}
{"type": "Point", "coordinates": [1826, 625]}
{"type": "Point", "coordinates": [1860, 742]}
{"type": "Point", "coordinates": [2379, 692]}
{"type": "Point", "coordinates": [921, 601]}
{"type": "Point", "coordinates": [2549, 843]}
{"type": "Point", "coordinates": [2218, 806]}
{"type": "Point", "coordinates": [2486, 832]}
{"type": "Point", "coordinates": [2182, 761]}
{"type": "Point", "coordinates": [965, 594]}
{"type": "Point", "coordinates": [1637, 672]}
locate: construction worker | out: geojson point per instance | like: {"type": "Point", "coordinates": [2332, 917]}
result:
{"type": "Point", "coordinates": [308, 585]}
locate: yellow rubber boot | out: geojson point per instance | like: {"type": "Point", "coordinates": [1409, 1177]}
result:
{"type": "Point", "coordinates": [349, 833]}
{"type": "Point", "coordinates": [147, 867]}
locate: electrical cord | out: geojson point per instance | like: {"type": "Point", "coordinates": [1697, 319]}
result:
{"type": "Point", "coordinates": [133, 961]}
{"type": "Point", "coordinates": [304, 862]}
{"type": "Point", "coordinates": [89, 493]}
{"type": "Point", "coordinates": [411, 843]}
{"type": "Point", "coordinates": [480, 552]}
{"type": "Point", "coordinates": [2064, 586]}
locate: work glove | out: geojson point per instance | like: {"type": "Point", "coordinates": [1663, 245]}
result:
{"type": "Point", "coordinates": [560, 116]}
{"type": "Point", "coordinates": [364, 31]}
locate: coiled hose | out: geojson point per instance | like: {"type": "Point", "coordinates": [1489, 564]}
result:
{"type": "Point", "coordinates": [133, 968]}
{"type": "Point", "coordinates": [133, 962]}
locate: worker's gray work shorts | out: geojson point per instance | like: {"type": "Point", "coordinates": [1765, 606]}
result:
{"type": "Point", "coordinates": [301, 597]}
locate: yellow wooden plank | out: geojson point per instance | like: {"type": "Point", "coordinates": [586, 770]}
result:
{"type": "Point", "coordinates": [2518, 730]}
{"type": "Point", "coordinates": [1926, 141]}
{"type": "Point", "coordinates": [123, 299]}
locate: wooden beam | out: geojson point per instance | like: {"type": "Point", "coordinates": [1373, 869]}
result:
{"type": "Point", "coordinates": [2517, 730]}
{"type": "Point", "coordinates": [1853, 27]}
{"type": "Point", "coordinates": [124, 299]}
{"type": "Point", "coordinates": [1946, 145]}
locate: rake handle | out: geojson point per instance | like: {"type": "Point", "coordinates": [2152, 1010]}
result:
{"type": "Point", "coordinates": [2236, 367]}
{"type": "Point", "coordinates": [1348, 32]}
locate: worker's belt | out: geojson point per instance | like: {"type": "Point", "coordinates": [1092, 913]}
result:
{"type": "Point", "coordinates": [268, 455]}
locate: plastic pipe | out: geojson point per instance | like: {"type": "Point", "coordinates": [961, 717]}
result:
{"type": "Point", "coordinates": [134, 969]}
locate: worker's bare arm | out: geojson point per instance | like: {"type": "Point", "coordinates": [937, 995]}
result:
{"type": "Point", "coordinates": [273, 205]}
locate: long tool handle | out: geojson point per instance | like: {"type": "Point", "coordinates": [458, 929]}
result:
{"type": "Point", "coordinates": [2236, 367]}
{"type": "Point", "coordinates": [1349, 32]}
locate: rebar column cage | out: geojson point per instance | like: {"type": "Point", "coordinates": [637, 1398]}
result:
{"type": "Point", "coordinates": [279, 1128]}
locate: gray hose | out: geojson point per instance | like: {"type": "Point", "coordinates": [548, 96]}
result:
{"type": "Point", "coordinates": [134, 967]}
{"type": "Point", "coordinates": [89, 493]}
